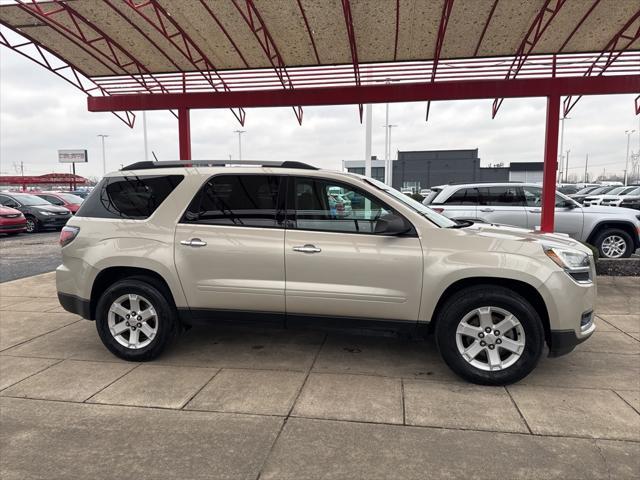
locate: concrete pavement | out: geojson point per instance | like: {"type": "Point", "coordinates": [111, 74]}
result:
{"type": "Point", "coordinates": [252, 403]}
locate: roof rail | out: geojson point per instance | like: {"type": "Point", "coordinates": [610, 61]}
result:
{"type": "Point", "coordinates": [478, 182]}
{"type": "Point", "coordinates": [217, 163]}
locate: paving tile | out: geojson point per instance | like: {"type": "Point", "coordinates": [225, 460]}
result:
{"type": "Point", "coordinates": [151, 385]}
{"type": "Point", "coordinates": [610, 342]}
{"type": "Point", "coordinates": [460, 406]}
{"type": "Point", "coordinates": [631, 397]}
{"type": "Point", "coordinates": [579, 412]}
{"type": "Point", "coordinates": [18, 327]}
{"type": "Point", "coordinates": [103, 442]}
{"type": "Point", "coordinates": [245, 348]}
{"type": "Point", "coordinates": [332, 450]}
{"type": "Point", "coordinates": [622, 458]}
{"type": "Point", "coordinates": [587, 370]}
{"type": "Point", "coordinates": [266, 392]}
{"type": "Point", "coordinates": [37, 286]}
{"type": "Point", "coordinates": [6, 301]}
{"type": "Point", "coordinates": [79, 341]}
{"type": "Point", "coordinates": [603, 326]}
{"type": "Point", "coordinates": [626, 323]}
{"type": "Point", "coordinates": [15, 369]}
{"type": "Point", "coordinates": [351, 397]}
{"type": "Point", "coordinates": [33, 305]}
{"type": "Point", "coordinates": [70, 380]}
{"type": "Point", "coordinates": [388, 356]}
{"type": "Point", "coordinates": [622, 304]}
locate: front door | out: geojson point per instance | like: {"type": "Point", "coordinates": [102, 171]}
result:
{"type": "Point", "coordinates": [229, 246]}
{"type": "Point", "coordinates": [336, 266]}
{"type": "Point", "coordinates": [567, 220]}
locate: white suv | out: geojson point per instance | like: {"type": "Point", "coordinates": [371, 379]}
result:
{"type": "Point", "coordinates": [157, 246]}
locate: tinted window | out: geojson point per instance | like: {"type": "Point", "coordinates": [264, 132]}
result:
{"type": "Point", "coordinates": [502, 196]}
{"type": "Point", "coordinates": [30, 200]}
{"type": "Point", "coordinates": [464, 196]}
{"type": "Point", "coordinates": [132, 197]}
{"type": "Point", "coordinates": [332, 206]}
{"type": "Point", "coordinates": [244, 200]}
{"type": "Point", "coordinates": [52, 199]}
{"type": "Point", "coordinates": [533, 197]}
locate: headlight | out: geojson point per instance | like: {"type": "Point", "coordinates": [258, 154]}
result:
{"type": "Point", "coordinates": [46, 213]}
{"type": "Point", "coordinates": [574, 262]}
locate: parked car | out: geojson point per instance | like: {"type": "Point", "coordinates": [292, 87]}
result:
{"type": "Point", "coordinates": [568, 188]}
{"type": "Point", "coordinates": [631, 201]}
{"type": "Point", "coordinates": [161, 245]}
{"type": "Point", "coordinates": [614, 231]}
{"type": "Point", "coordinates": [585, 192]}
{"type": "Point", "coordinates": [616, 201]}
{"type": "Point", "coordinates": [62, 199]}
{"type": "Point", "coordinates": [592, 199]}
{"type": "Point", "coordinates": [39, 213]}
{"type": "Point", "coordinates": [80, 193]}
{"type": "Point", "coordinates": [12, 221]}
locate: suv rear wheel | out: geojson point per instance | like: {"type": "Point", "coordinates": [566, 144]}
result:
{"type": "Point", "coordinates": [490, 335]}
{"type": "Point", "coordinates": [614, 243]}
{"type": "Point", "coordinates": [134, 319]}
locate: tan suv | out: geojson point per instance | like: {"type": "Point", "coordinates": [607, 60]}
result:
{"type": "Point", "coordinates": [157, 246]}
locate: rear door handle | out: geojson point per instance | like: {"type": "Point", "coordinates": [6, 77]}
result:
{"type": "Point", "coordinates": [487, 210]}
{"type": "Point", "coordinates": [308, 248]}
{"type": "Point", "coordinates": [194, 242]}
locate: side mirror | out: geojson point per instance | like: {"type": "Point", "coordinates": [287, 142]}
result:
{"type": "Point", "coordinates": [391, 224]}
{"type": "Point", "coordinates": [569, 205]}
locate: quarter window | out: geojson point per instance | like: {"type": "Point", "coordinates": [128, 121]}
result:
{"type": "Point", "coordinates": [243, 200]}
{"type": "Point", "coordinates": [533, 197]}
{"type": "Point", "coordinates": [332, 206]}
{"type": "Point", "coordinates": [464, 196]}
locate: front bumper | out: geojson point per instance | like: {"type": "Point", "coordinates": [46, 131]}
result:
{"type": "Point", "coordinates": [54, 221]}
{"type": "Point", "coordinates": [562, 342]}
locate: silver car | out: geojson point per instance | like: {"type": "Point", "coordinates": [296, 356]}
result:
{"type": "Point", "coordinates": [614, 231]}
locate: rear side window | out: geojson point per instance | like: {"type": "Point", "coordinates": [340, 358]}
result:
{"type": "Point", "coordinates": [243, 200]}
{"type": "Point", "coordinates": [131, 197]}
{"type": "Point", "coordinates": [464, 196]}
{"type": "Point", "coordinates": [502, 196]}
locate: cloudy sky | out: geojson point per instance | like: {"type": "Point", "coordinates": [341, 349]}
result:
{"type": "Point", "coordinates": [40, 113]}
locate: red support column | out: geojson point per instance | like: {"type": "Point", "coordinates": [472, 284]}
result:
{"type": "Point", "coordinates": [550, 163]}
{"type": "Point", "coordinates": [184, 134]}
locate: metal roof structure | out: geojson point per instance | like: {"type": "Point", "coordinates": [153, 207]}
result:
{"type": "Point", "coordinates": [130, 55]}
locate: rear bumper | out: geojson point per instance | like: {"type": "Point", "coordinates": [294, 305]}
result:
{"type": "Point", "coordinates": [73, 304]}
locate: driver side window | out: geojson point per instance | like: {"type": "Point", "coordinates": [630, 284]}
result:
{"type": "Point", "coordinates": [8, 202]}
{"type": "Point", "coordinates": [332, 206]}
{"type": "Point", "coordinates": [533, 197]}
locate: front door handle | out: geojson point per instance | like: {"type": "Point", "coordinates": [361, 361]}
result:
{"type": "Point", "coordinates": [194, 242]}
{"type": "Point", "coordinates": [535, 210]}
{"type": "Point", "coordinates": [308, 248]}
{"type": "Point", "coordinates": [487, 210]}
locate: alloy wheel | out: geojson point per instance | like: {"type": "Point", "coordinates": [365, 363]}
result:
{"type": "Point", "coordinates": [133, 321]}
{"type": "Point", "coordinates": [614, 246]}
{"type": "Point", "coordinates": [31, 225]}
{"type": "Point", "coordinates": [490, 338]}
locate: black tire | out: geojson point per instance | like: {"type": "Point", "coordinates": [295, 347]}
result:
{"type": "Point", "coordinates": [610, 233]}
{"type": "Point", "coordinates": [13, 234]}
{"type": "Point", "coordinates": [33, 225]}
{"type": "Point", "coordinates": [168, 325]}
{"type": "Point", "coordinates": [464, 302]}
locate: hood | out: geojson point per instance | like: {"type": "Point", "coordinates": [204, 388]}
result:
{"type": "Point", "coordinates": [506, 232]}
{"type": "Point", "coordinates": [50, 208]}
{"type": "Point", "coordinates": [9, 211]}
{"type": "Point", "coordinates": [606, 210]}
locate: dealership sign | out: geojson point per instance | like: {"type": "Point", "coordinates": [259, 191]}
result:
{"type": "Point", "coordinates": [72, 156]}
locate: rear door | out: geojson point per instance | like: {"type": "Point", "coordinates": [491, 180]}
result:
{"type": "Point", "coordinates": [336, 266]}
{"type": "Point", "coordinates": [569, 220]}
{"type": "Point", "coordinates": [229, 246]}
{"type": "Point", "coordinates": [503, 204]}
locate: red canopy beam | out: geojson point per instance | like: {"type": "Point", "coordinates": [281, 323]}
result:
{"type": "Point", "coordinates": [70, 73]}
{"type": "Point", "coordinates": [306, 23]}
{"type": "Point", "coordinates": [550, 163]}
{"type": "Point", "coordinates": [484, 29]}
{"type": "Point", "coordinates": [442, 30]}
{"type": "Point", "coordinates": [620, 42]}
{"type": "Point", "coordinates": [351, 34]}
{"type": "Point", "coordinates": [169, 28]}
{"type": "Point", "coordinates": [540, 23]}
{"type": "Point", "coordinates": [382, 93]}
{"type": "Point", "coordinates": [256, 24]}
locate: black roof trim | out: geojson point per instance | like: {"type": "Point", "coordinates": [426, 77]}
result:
{"type": "Point", "coordinates": [216, 163]}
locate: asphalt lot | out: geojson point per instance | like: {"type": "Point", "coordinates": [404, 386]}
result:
{"type": "Point", "coordinates": [273, 404]}
{"type": "Point", "coordinates": [25, 254]}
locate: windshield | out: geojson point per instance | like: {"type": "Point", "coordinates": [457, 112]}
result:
{"type": "Point", "coordinates": [616, 191]}
{"type": "Point", "coordinates": [601, 190]}
{"type": "Point", "coordinates": [635, 191]}
{"type": "Point", "coordinates": [439, 220]}
{"type": "Point", "coordinates": [31, 200]}
{"type": "Point", "coordinates": [70, 198]}
{"type": "Point", "coordinates": [586, 190]}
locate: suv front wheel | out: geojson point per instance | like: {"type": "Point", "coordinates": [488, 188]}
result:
{"type": "Point", "coordinates": [489, 335]}
{"type": "Point", "coordinates": [134, 319]}
{"type": "Point", "coordinates": [614, 243]}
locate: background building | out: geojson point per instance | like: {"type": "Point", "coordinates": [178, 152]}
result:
{"type": "Point", "coordinates": [416, 170]}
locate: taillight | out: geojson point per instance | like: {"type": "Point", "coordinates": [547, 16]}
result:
{"type": "Point", "coordinates": [437, 209]}
{"type": "Point", "coordinates": [68, 234]}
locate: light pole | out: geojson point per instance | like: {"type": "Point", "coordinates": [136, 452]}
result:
{"type": "Point", "coordinates": [390, 162]}
{"type": "Point", "coordinates": [144, 132]}
{"type": "Point", "coordinates": [239, 132]}
{"type": "Point", "coordinates": [628, 133]}
{"type": "Point", "coordinates": [561, 159]}
{"type": "Point", "coordinates": [586, 165]}
{"type": "Point", "coordinates": [104, 158]}
{"type": "Point", "coordinates": [566, 170]}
